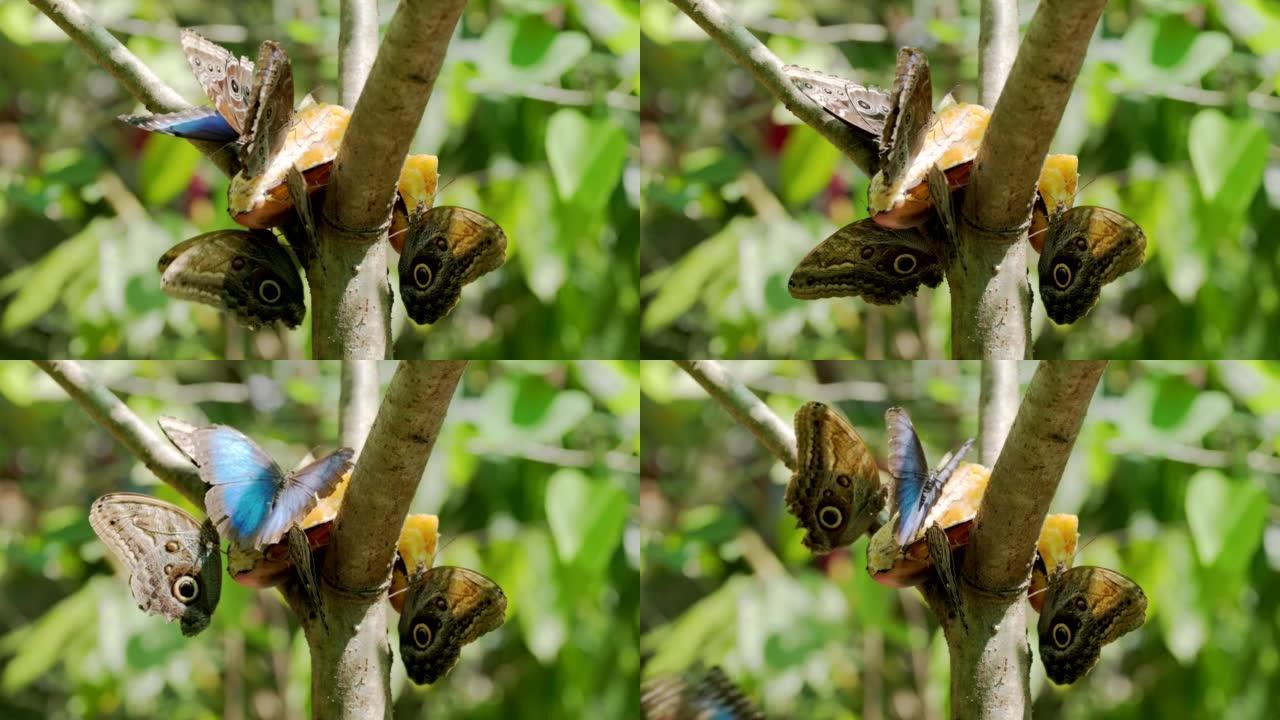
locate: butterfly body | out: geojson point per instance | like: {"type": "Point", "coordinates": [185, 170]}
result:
{"type": "Point", "coordinates": [865, 260]}
{"type": "Point", "coordinates": [245, 273]}
{"type": "Point", "coordinates": [862, 108]}
{"type": "Point", "coordinates": [174, 561]}
{"type": "Point", "coordinates": [1085, 608]}
{"type": "Point", "coordinates": [447, 248]}
{"type": "Point", "coordinates": [835, 493]}
{"type": "Point", "coordinates": [252, 502]}
{"type": "Point", "coordinates": [446, 608]}
{"type": "Point", "coordinates": [1086, 248]}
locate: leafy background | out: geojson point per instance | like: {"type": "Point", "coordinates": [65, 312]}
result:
{"type": "Point", "coordinates": [1174, 478]}
{"type": "Point", "coordinates": [533, 117]}
{"type": "Point", "coordinates": [533, 477]}
{"type": "Point", "coordinates": [1175, 117]}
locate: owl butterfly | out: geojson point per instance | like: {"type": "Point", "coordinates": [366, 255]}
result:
{"type": "Point", "coordinates": [1087, 247]}
{"type": "Point", "coordinates": [862, 108]}
{"type": "Point", "coordinates": [446, 608]}
{"type": "Point", "coordinates": [680, 697]}
{"type": "Point", "coordinates": [174, 562]}
{"type": "Point", "coordinates": [447, 248]}
{"type": "Point", "coordinates": [246, 273]}
{"type": "Point", "coordinates": [865, 260]}
{"type": "Point", "coordinates": [835, 492]}
{"type": "Point", "coordinates": [1086, 608]}
{"type": "Point", "coordinates": [250, 499]}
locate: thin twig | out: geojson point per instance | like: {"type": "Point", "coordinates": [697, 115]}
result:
{"type": "Point", "coordinates": [752, 55]}
{"type": "Point", "coordinates": [126, 68]}
{"type": "Point", "coordinates": [359, 402]}
{"type": "Point", "coordinates": [749, 410]}
{"type": "Point", "coordinates": [997, 46]}
{"type": "Point", "coordinates": [997, 406]}
{"type": "Point", "coordinates": [387, 474]}
{"type": "Point", "coordinates": [844, 32]}
{"type": "Point", "coordinates": [1026, 476]}
{"type": "Point", "coordinates": [115, 417]}
{"type": "Point", "coordinates": [357, 46]}
{"type": "Point", "coordinates": [615, 460]}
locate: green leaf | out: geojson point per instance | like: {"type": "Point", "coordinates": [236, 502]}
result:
{"type": "Point", "coordinates": [808, 162]}
{"type": "Point", "coordinates": [166, 168]}
{"type": "Point", "coordinates": [680, 290]}
{"type": "Point", "coordinates": [44, 285]}
{"type": "Point", "coordinates": [39, 645]}
{"type": "Point", "coordinates": [529, 50]}
{"type": "Point", "coordinates": [586, 518]}
{"type": "Point", "coordinates": [586, 158]}
{"type": "Point", "coordinates": [1225, 516]}
{"type": "Point", "coordinates": [1229, 158]}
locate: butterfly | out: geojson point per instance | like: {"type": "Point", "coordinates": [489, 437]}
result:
{"type": "Point", "coordinates": [226, 79]}
{"type": "Point", "coordinates": [862, 108]}
{"type": "Point", "coordinates": [917, 492]}
{"type": "Point", "coordinates": [835, 492]}
{"type": "Point", "coordinates": [174, 562]}
{"type": "Point", "coordinates": [1086, 608]}
{"type": "Point", "coordinates": [246, 273]}
{"type": "Point", "coordinates": [250, 500]}
{"type": "Point", "coordinates": [865, 260]}
{"type": "Point", "coordinates": [1086, 248]}
{"type": "Point", "coordinates": [684, 697]}
{"type": "Point", "coordinates": [446, 608]}
{"type": "Point", "coordinates": [447, 247]}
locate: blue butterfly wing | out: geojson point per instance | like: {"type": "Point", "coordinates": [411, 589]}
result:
{"type": "Point", "coordinates": [303, 486]}
{"type": "Point", "coordinates": [910, 470]}
{"type": "Point", "coordinates": [202, 123]}
{"type": "Point", "coordinates": [244, 482]}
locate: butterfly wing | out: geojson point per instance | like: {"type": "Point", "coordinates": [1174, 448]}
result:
{"type": "Point", "coordinates": [910, 471]}
{"type": "Point", "coordinates": [226, 79]}
{"type": "Point", "coordinates": [270, 111]}
{"type": "Point", "coordinates": [1086, 608]}
{"type": "Point", "coordinates": [865, 260]}
{"type": "Point", "coordinates": [246, 273]}
{"type": "Point", "coordinates": [835, 492]}
{"type": "Point", "coordinates": [681, 697]}
{"type": "Point", "coordinates": [200, 123]}
{"type": "Point", "coordinates": [909, 117]}
{"type": "Point", "coordinates": [302, 487]}
{"type": "Point", "coordinates": [862, 108]}
{"type": "Point", "coordinates": [174, 562]}
{"type": "Point", "coordinates": [445, 609]}
{"type": "Point", "coordinates": [1087, 248]}
{"type": "Point", "coordinates": [447, 248]}
{"type": "Point", "coordinates": [244, 484]}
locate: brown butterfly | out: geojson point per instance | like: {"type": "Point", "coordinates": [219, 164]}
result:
{"type": "Point", "coordinates": [1087, 247]}
{"type": "Point", "coordinates": [446, 608]}
{"type": "Point", "coordinates": [835, 492]}
{"type": "Point", "coordinates": [446, 249]}
{"type": "Point", "coordinates": [862, 108]}
{"type": "Point", "coordinates": [865, 260]}
{"type": "Point", "coordinates": [1086, 608]}
{"type": "Point", "coordinates": [247, 273]}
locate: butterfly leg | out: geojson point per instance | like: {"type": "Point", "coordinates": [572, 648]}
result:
{"type": "Point", "coordinates": [944, 565]}
{"type": "Point", "coordinates": [304, 565]}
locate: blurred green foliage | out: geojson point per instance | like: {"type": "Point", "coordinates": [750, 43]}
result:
{"type": "Point", "coordinates": [533, 477]}
{"type": "Point", "coordinates": [1173, 475]}
{"type": "Point", "coordinates": [1174, 117]}
{"type": "Point", "coordinates": [533, 117]}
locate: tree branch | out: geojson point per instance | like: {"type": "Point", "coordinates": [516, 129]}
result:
{"type": "Point", "coordinates": [1026, 118]}
{"type": "Point", "coordinates": [357, 46]}
{"type": "Point", "coordinates": [126, 68]}
{"type": "Point", "coordinates": [1026, 476]}
{"type": "Point", "coordinates": [752, 55]}
{"type": "Point", "coordinates": [749, 410]}
{"type": "Point", "coordinates": [129, 430]}
{"type": "Point", "coordinates": [387, 474]}
{"type": "Point", "coordinates": [358, 402]}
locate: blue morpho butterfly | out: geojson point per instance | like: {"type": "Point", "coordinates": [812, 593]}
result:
{"type": "Point", "coordinates": [251, 501]}
{"type": "Point", "coordinates": [915, 488]}
{"type": "Point", "coordinates": [680, 697]}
